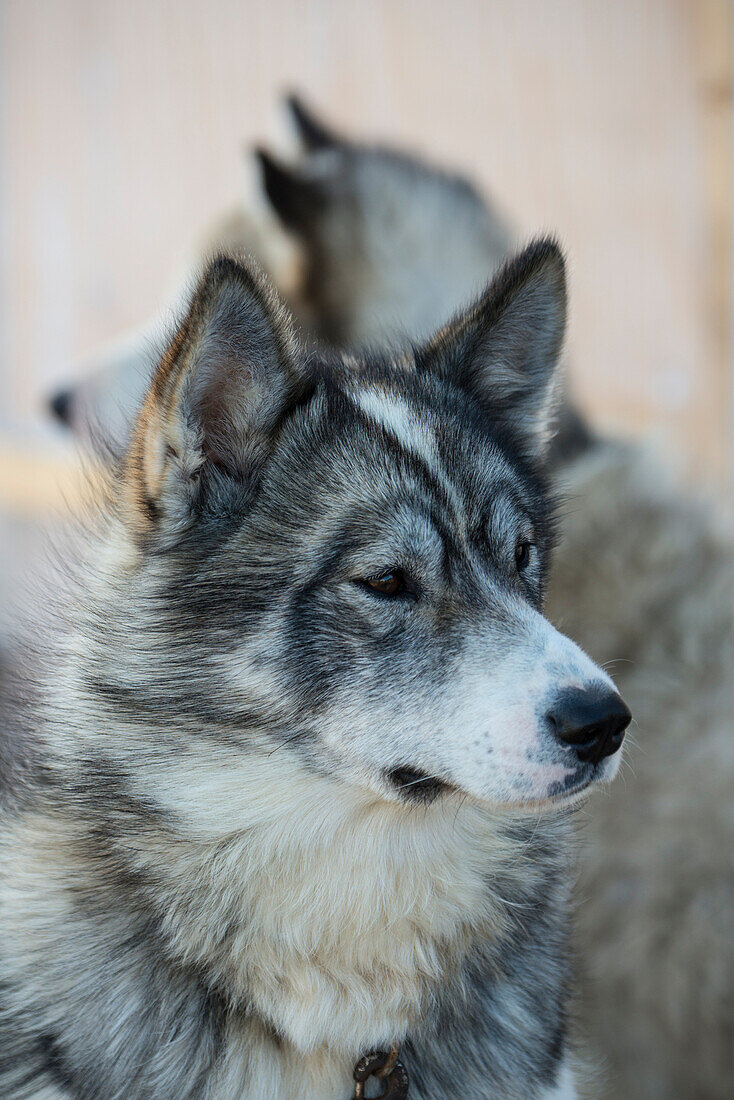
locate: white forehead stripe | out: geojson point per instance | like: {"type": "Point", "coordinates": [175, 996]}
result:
{"type": "Point", "coordinates": [395, 415]}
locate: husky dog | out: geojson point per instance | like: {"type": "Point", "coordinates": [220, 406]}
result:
{"type": "Point", "coordinates": [643, 577]}
{"type": "Point", "coordinates": [303, 770]}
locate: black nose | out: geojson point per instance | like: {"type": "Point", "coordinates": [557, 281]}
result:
{"type": "Point", "coordinates": [593, 721]}
{"type": "Point", "coordinates": [60, 405]}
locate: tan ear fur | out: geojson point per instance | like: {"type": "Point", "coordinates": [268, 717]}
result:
{"type": "Point", "coordinates": [218, 391]}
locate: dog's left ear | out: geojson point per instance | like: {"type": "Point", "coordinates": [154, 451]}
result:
{"type": "Point", "coordinates": [206, 422]}
{"type": "Point", "coordinates": [312, 133]}
{"type": "Point", "coordinates": [505, 349]}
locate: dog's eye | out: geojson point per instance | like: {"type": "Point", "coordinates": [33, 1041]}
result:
{"type": "Point", "coordinates": [523, 551]}
{"type": "Point", "coordinates": [390, 583]}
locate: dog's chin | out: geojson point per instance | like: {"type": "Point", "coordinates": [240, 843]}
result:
{"type": "Point", "coordinates": [556, 796]}
{"type": "Point", "coordinates": [542, 803]}
{"type": "Point", "coordinates": [576, 788]}
{"type": "Point", "coordinates": [553, 802]}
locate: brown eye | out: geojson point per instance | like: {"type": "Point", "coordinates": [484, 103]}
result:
{"type": "Point", "coordinates": [522, 555]}
{"type": "Point", "coordinates": [389, 583]}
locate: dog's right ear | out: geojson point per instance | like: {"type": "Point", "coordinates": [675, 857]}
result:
{"type": "Point", "coordinates": [206, 422]}
{"type": "Point", "coordinates": [312, 133]}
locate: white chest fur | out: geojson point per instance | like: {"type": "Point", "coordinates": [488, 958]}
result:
{"type": "Point", "coordinates": [334, 917]}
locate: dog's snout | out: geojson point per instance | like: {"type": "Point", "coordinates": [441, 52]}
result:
{"type": "Point", "coordinates": [593, 721]}
{"type": "Point", "coordinates": [60, 405]}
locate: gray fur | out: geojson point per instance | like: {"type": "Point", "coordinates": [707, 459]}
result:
{"type": "Point", "coordinates": [643, 578]}
{"type": "Point", "coordinates": [274, 818]}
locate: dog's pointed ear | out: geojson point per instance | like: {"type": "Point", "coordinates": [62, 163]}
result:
{"type": "Point", "coordinates": [224, 382]}
{"type": "Point", "coordinates": [505, 349]}
{"type": "Point", "coordinates": [293, 194]}
{"type": "Point", "coordinates": [312, 133]}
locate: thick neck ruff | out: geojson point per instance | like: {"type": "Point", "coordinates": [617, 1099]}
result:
{"type": "Point", "coordinates": [333, 916]}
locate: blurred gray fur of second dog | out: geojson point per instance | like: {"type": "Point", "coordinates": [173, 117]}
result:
{"type": "Point", "coordinates": [643, 579]}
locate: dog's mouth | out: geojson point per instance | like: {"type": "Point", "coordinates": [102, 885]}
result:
{"type": "Point", "coordinates": [416, 786]}
{"type": "Point", "coordinates": [575, 787]}
{"type": "Point", "coordinates": [560, 800]}
{"type": "Point", "coordinates": [568, 797]}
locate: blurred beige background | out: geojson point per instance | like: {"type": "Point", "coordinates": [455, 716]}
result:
{"type": "Point", "coordinates": [124, 122]}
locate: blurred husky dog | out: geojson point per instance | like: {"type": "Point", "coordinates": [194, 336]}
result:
{"type": "Point", "coordinates": [304, 768]}
{"type": "Point", "coordinates": [643, 577]}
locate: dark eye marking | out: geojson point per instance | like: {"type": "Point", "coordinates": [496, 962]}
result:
{"type": "Point", "coordinates": [389, 583]}
{"type": "Point", "coordinates": [523, 554]}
